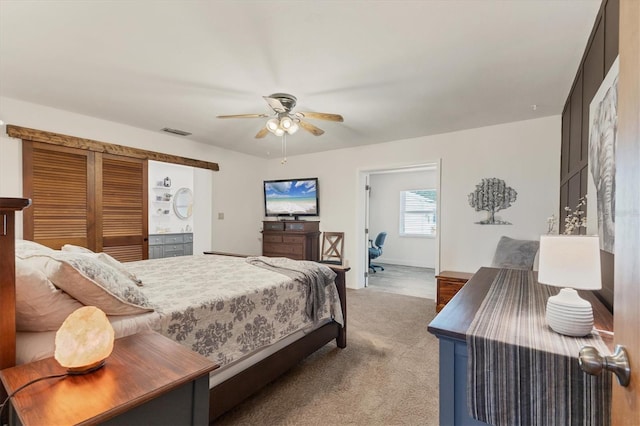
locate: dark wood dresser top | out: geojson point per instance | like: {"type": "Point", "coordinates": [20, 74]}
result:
{"type": "Point", "coordinates": [454, 319]}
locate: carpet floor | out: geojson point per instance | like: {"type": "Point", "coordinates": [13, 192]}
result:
{"type": "Point", "coordinates": [387, 374]}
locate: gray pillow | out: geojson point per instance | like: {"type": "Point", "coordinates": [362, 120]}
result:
{"type": "Point", "coordinates": [515, 254]}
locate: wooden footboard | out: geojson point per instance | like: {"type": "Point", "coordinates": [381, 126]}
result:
{"type": "Point", "coordinates": [236, 389]}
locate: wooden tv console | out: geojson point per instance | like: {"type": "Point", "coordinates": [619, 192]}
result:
{"type": "Point", "coordinates": [295, 239]}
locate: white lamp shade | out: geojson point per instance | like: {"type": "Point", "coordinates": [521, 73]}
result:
{"type": "Point", "coordinates": [570, 261]}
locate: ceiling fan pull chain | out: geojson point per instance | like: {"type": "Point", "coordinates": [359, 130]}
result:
{"type": "Point", "coordinates": [284, 149]}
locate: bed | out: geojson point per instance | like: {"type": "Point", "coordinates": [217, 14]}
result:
{"type": "Point", "coordinates": [253, 316]}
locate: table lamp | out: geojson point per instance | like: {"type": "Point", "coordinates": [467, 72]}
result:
{"type": "Point", "coordinates": [84, 340]}
{"type": "Point", "coordinates": [572, 262]}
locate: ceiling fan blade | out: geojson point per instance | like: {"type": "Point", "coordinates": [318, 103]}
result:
{"type": "Point", "coordinates": [311, 128]}
{"type": "Point", "coordinates": [262, 133]}
{"type": "Point", "coordinates": [275, 104]}
{"type": "Point", "coordinates": [244, 116]}
{"type": "Point", "coordinates": [321, 116]}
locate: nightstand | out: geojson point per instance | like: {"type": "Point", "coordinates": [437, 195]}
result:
{"type": "Point", "coordinates": [147, 379]}
{"type": "Point", "coordinates": [448, 284]}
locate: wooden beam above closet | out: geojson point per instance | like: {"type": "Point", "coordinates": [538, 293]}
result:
{"type": "Point", "coordinates": [108, 148]}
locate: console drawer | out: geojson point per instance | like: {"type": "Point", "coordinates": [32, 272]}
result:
{"type": "Point", "coordinates": [272, 238]}
{"type": "Point", "coordinates": [285, 250]}
{"type": "Point", "coordinates": [293, 239]}
{"type": "Point", "coordinates": [173, 250]}
{"type": "Point", "coordinates": [174, 238]}
{"type": "Point", "coordinates": [155, 240]}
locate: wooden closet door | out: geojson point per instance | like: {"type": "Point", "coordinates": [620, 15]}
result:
{"type": "Point", "coordinates": [122, 214]}
{"type": "Point", "coordinates": [60, 182]}
{"type": "Point", "coordinates": [85, 198]}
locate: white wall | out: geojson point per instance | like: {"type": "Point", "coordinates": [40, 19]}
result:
{"type": "Point", "coordinates": [234, 190]}
{"type": "Point", "coordinates": [384, 215]}
{"type": "Point", "coordinates": [525, 154]}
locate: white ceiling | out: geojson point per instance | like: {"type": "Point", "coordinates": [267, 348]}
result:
{"type": "Point", "coordinates": [394, 69]}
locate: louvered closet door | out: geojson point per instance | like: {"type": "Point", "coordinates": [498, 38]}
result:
{"type": "Point", "coordinates": [123, 213]}
{"type": "Point", "coordinates": [60, 183]}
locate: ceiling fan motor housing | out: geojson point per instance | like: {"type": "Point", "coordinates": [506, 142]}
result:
{"type": "Point", "coordinates": [286, 100]}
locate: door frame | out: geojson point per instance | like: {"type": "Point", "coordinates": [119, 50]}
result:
{"type": "Point", "coordinates": [363, 212]}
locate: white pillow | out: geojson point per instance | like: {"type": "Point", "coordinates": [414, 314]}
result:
{"type": "Point", "coordinates": [26, 248]}
{"type": "Point", "coordinates": [39, 305]}
{"type": "Point", "coordinates": [104, 257]}
{"type": "Point", "coordinates": [75, 249]}
{"type": "Point", "coordinates": [94, 283]}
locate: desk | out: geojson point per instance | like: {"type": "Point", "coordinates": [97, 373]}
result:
{"type": "Point", "coordinates": [148, 379]}
{"type": "Point", "coordinates": [451, 326]}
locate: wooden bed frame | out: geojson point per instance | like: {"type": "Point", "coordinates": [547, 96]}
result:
{"type": "Point", "coordinates": [223, 396]}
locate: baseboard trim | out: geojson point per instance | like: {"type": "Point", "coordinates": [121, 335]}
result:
{"type": "Point", "coordinates": [401, 262]}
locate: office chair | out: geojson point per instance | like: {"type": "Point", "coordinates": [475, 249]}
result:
{"type": "Point", "coordinates": [375, 250]}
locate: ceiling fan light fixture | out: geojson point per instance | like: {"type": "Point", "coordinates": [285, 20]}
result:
{"type": "Point", "coordinates": [273, 124]}
{"type": "Point", "coordinates": [293, 128]}
{"type": "Point", "coordinates": [286, 122]}
{"type": "Point", "coordinates": [279, 132]}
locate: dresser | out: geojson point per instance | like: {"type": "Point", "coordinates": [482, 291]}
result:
{"type": "Point", "coordinates": [170, 245]}
{"type": "Point", "coordinates": [295, 239]}
{"type": "Point", "coordinates": [448, 284]}
{"type": "Point", "coordinates": [452, 328]}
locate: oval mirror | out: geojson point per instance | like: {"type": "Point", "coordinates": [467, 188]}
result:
{"type": "Point", "coordinates": [183, 203]}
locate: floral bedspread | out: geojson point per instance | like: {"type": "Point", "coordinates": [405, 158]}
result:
{"type": "Point", "coordinates": [224, 308]}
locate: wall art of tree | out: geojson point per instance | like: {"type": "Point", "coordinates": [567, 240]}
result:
{"type": "Point", "coordinates": [492, 195]}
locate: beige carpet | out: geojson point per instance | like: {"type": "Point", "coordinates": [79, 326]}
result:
{"type": "Point", "coordinates": [387, 374]}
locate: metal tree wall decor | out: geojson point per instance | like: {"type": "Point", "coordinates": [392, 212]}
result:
{"type": "Point", "coordinates": [492, 195]}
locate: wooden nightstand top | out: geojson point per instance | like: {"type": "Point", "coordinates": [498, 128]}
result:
{"type": "Point", "coordinates": [454, 275]}
{"type": "Point", "coordinates": [140, 368]}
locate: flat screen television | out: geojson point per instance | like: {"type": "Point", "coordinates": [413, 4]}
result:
{"type": "Point", "coordinates": [291, 197]}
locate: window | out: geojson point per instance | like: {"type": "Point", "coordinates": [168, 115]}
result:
{"type": "Point", "coordinates": [418, 212]}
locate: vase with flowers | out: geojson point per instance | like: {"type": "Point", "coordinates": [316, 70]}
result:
{"type": "Point", "coordinates": [575, 219]}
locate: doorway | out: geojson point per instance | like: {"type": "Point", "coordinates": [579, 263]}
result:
{"type": "Point", "coordinates": [410, 255]}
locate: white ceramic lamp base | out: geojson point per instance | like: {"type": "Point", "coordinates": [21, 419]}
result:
{"type": "Point", "coordinates": [569, 314]}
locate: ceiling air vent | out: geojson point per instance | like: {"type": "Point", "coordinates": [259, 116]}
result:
{"type": "Point", "coordinates": [176, 131]}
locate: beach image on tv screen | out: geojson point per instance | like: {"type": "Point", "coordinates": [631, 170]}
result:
{"type": "Point", "coordinates": [294, 197]}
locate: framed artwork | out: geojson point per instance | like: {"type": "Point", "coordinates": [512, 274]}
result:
{"type": "Point", "coordinates": [601, 186]}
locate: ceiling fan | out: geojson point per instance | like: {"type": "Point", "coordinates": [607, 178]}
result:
{"type": "Point", "coordinates": [283, 120]}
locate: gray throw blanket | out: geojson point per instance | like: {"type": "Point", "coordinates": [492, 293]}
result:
{"type": "Point", "coordinates": [314, 277]}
